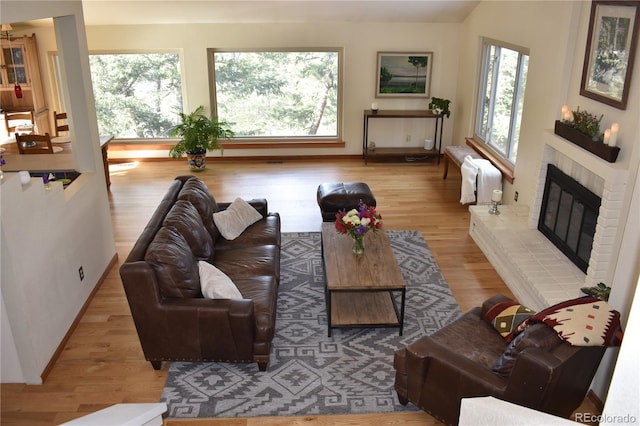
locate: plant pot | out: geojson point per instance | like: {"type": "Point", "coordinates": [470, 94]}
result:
{"type": "Point", "coordinates": [197, 160]}
{"type": "Point", "coordinates": [606, 152]}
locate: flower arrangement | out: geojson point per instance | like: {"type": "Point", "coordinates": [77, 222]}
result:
{"type": "Point", "coordinates": [357, 222]}
{"type": "Point", "coordinates": [586, 123]}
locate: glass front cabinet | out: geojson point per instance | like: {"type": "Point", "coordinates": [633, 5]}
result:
{"type": "Point", "coordinates": [19, 64]}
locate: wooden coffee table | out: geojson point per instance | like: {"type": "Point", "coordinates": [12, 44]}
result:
{"type": "Point", "coordinates": [360, 289]}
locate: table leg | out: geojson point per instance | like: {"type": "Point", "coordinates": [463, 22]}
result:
{"type": "Point", "coordinates": [401, 319]}
{"type": "Point", "coordinates": [328, 303]}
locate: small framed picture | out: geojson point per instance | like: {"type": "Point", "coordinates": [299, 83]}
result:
{"type": "Point", "coordinates": [404, 75]}
{"type": "Point", "coordinates": [610, 51]}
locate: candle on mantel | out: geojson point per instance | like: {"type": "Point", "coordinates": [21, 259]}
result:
{"type": "Point", "coordinates": [615, 127]}
{"type": "Point", "coordinates": [496, 195]}
{"type": "Point", "coordinates": [607, 136]}
{"type": "Point", "coordinates": [374, 106]}
{"type": "Point", "coordinates": [567, 116]}
{"type": "Point", "coordinates": [563, 114]}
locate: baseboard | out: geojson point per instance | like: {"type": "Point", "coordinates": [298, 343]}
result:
{"type": "Point", "coordinates": [591, 396]}
{"type": "Point", "coordinates": [227, 159]}
{"type": "Point", "coordinates": [76, 321]}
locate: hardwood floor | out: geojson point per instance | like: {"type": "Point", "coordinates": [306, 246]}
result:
{"type": "Point", "coordinates": [102, 363]}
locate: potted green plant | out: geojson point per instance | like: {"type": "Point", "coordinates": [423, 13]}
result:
{"type": "Point", "coordinates": [440, 106]}
{"type": "Point", "coordinates": [601, 291]}
{"type": "Point", "coordinates": [198, 134]}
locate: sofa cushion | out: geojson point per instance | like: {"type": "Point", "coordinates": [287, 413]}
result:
{"type": "Point", "coordinates": [249, 261]}
{"type": "Point", "coordinates": [536, 336]}
{"type": "Point", "coordinates": [505, 317]}
{"type": "Point", "coordinates": [184, 217]}
{"type": "Point", "coordinates": [175, 265]}
{"type": "Point", "coordinates": [265, 231]}
{"type": "Point", "coordinates": [196, 192]}
{"type": "Point", "coordinates": [235, 219]}
{"type": "Point", "coordinates": [215, 284]}
{"type": "Point", "coordinates": [473, 338]}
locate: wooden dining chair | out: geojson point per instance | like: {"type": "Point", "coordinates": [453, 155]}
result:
{"type": "Point", "coordinates": [34, 144]}
{"type": "Point", "coordinates": [62, 128]}
{"type": "Point", "coordinates": [14, 119]}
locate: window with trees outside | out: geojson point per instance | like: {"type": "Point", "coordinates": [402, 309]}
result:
{"type": "Point", "coordinates": [137, 95]}
{"type": "Point", "coordinates": [501, 97]}
{"type": "Point", "coordinates": [278, 94]}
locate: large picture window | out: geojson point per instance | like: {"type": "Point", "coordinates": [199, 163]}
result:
{"type": "Point", "coordinates": [137, 95]}
{"type": "Point", "coordinates": [501, 97]}
{"type": "Point", "coordinates": [278, 94]}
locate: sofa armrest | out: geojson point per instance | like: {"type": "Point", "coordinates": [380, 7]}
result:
{"type": "Point", "coordinates": [534, 370]}
{"type": "Point", "coordinates": [239, 313]}
{"type": "Point", "coordinates": [426, 355]}
{"type": "Point", "coordinates": [260, 204]}
{"type": "Point", "coordinates": [210, 328]}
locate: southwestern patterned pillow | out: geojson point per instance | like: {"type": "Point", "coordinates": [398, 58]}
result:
{"type": "Point", "coordinates": [505, 317]}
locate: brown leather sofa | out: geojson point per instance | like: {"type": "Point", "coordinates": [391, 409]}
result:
{"type": "Point", "coordinates": [461, 361]}
{"type": "Point", "coordinates": [161, 281]}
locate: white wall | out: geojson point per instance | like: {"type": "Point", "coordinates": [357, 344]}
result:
{"type": "Point", "coordinates": [361, 42]}
{"type": "Point", "coordinates": [555, 70]}
{"type": "Point", "coordinates": [48, 235]}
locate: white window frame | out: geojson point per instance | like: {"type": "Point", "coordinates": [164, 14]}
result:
{"type": "Point", "coordinates": [509, 156]}
{"type": "Point", "coordinates": [288, 139]}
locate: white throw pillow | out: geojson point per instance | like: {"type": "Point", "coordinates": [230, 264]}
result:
{"type": "Point", "coordinates": [215, 284]}
{"type": "Point", "coordinates": [236, 218]}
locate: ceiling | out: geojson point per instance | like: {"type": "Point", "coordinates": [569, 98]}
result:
{"type": "Point", "coordinates": [119, 12]}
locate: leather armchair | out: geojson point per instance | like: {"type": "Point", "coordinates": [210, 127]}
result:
{"type": "Point", "coordinates": [465, 359]}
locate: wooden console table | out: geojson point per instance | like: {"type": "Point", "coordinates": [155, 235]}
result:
{"type": "Point", "coordinates": [411, 151]}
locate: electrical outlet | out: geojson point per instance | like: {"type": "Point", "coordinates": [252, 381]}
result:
{"type": "Point", "coordinates": [81, 273]}
{"type": "Point", "coordinates": [408, 138]}
{"type": "Point", "coordinates": [515, 197]}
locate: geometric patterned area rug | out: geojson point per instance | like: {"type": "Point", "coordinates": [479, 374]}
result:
{"type": "Point", "coordinates": [309, 373]}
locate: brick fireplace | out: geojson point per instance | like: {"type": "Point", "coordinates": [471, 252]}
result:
{"type": "Point", "coordinates": [537, 272]}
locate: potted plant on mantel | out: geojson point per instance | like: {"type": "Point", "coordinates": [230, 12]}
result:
{"type": "Point", "coordinates": [199, 134]}
{"type": "Point", "coordinates": [584, 131]}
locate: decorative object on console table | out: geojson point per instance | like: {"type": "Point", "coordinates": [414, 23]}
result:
{"type": "Point", "coordinates": [440, 106]}
{"type": "Point", "coordinates": [606, 152]}
{"type": "Point", "coordinates": [357, 222]}
{"type": "Point", "coordinates": [610, 52]}
{"type": "Point", "coordinates": [199, 134]}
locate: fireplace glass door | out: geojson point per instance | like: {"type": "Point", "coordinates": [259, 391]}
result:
{"type": "Point", "coordinates": [568, 216]}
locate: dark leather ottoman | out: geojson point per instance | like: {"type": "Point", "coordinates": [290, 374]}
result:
{"type": "Point", "coordinates": [336, 196]}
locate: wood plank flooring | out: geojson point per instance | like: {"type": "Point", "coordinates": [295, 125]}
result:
{"type": "Point", "coordinates": [102, 364]}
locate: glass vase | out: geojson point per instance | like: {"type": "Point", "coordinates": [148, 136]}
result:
{"type": "Point", "coordinates": [358, 244]}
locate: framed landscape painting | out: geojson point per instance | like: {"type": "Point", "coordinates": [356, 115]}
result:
{"type": "Point", "coordinates": [610, 52]}
{"type": "Point", "coordinates": [404, 75]}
